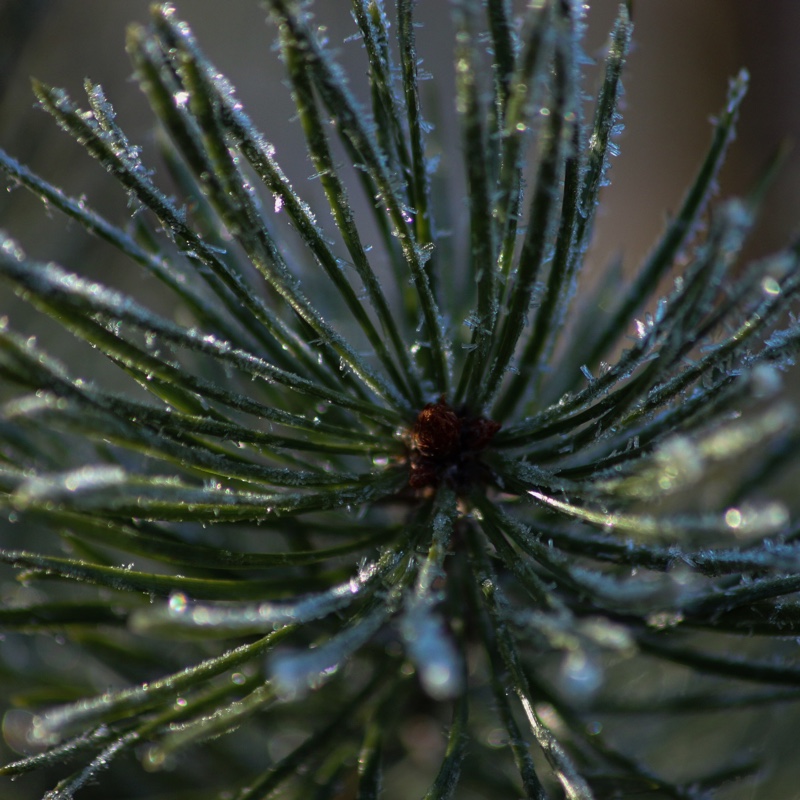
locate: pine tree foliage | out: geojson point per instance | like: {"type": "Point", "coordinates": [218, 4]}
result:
{"type": "Point", "coordinates": [360, 518]}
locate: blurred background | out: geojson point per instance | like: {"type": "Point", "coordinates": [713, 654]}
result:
{"type": "Point", "coordinates": [683, 55]}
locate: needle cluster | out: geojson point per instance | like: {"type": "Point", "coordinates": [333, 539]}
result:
{"type": "Point", "coordinates": [362, 484]}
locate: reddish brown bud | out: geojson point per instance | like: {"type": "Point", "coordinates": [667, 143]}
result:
{"type": "Point", "coordinates": [437, 431]}
{"type": "Point", "coordinates": [445, 445]}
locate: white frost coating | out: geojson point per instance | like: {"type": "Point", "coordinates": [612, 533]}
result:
{"type": "Point", "coordinates": [756, 521]}
{"type": "Point", "coordinates": [255, 617]}
{"type": "Point", "coordinates": [580, 675]}
{"type": "Point", "coordinates": [766, 381]}
{"type": "Point", "coordinates": [636, 594]}
{"type": "Point", "coordinates": [9, 247]}
{"type": "Point", "coordinates": [85, 479]}
{"type": "Point", "coordinates": [294, 673]}
{"type": "Point", "coordinates": [431, 647]}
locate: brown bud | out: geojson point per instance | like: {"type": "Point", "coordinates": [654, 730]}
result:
{"type": "Point", "coordinates": [446, 445]}
{"type": "Point", "coordinates": [437, 431]}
